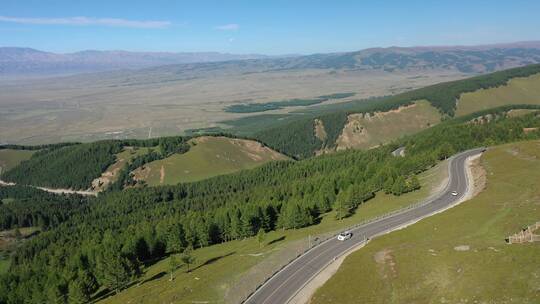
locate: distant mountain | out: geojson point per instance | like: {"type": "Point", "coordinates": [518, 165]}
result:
{"type": "Point", "coordinates": [464, 59]}
{"type": "Point", "coordinates": [17, 61]}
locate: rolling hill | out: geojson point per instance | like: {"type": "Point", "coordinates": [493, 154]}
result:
{"type": "Point", "coordinates": [520, 90]}
{"type": "Point", "coordinates": [208, 157]}
{"type": "Point", "coordinates": [10, 158]}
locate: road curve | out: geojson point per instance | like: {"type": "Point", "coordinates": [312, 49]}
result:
{"type": "Point", "coordinates": [284, 285]}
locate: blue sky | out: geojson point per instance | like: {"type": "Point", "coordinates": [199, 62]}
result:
{"type": "Point", "coordinates": [256, 26]}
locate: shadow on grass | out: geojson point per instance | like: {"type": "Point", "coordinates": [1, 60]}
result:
{"type": "Point", "coordinates": [279, 239]}
{"type": "Point", "coordinates": [106, 292]}
{"type": "Point", "coordinates": [155, 277]}
{"type": "Point", "coordinates": [213, 260]}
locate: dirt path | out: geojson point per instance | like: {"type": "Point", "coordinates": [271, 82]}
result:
{"type": "Point", "coordinates": [56, 191]}
{"type": "Point", "coordinates": [162, 174]}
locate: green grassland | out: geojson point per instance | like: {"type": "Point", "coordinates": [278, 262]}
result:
{"type": "Point", "coordinates": [523, 90]}
{"type": "Point", "coordinates": [10, 158]}
{"type": "Point", "coordinates": [221, 268]}
{"type": "Point", "coordinates": [420, 264]}
{"type": "Point", "coordinates": [364, 132]}
{"type": "Point", "coordinates": [208, 156]}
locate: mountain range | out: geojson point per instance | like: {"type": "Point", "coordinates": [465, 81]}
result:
{"type": "Point", "coordinates": [15, 61]}
{"type": "Point", "coordinates": [18, 61]}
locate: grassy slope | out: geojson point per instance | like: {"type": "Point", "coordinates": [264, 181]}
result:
{"type": "Point", "coordinates": [524, 90]}
{"type": "Point", "coordinates": [387, 126]}
{"type": "Point", "coordinates": [211, 156]}
{"type": "Point", "coordinates": [10, 158]}
{"type": "Point", "coordinates": [231, 260]}
{"type": "Point", "coordinates": [421, 264]}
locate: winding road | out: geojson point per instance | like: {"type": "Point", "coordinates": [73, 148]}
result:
{"type": "Point", "coordinates": [286, 284]}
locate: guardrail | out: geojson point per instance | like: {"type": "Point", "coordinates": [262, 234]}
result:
{"type": "Point", "coordinates": [320, 241]}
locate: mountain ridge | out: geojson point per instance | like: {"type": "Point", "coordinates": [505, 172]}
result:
{"type": "Point", "coordinates": [30, 61]}
{"type": "Point", "coordinates": [24, 61]}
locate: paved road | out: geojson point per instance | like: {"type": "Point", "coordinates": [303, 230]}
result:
{"type": "Point", "coordinates": [287, 283]}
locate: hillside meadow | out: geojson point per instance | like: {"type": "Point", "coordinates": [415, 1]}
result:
{"type": "Point", "coordinates": [521, 90]}
{"type": "Point", "coordinates": [459, 256]}
{"type": "Point", "coordinates": [10, 158]}
{"type": "Point", "coordinates": [207, 157]}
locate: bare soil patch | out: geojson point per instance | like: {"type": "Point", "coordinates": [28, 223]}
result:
{"type": "Point", "coordinates": [320, 132]}
{"type": "Point", "coordinates": [161, 174]}
{"type": "Point", "coordinates": [478, 175]}
{"type": "Point", "coordinates": [255, 150]}
{"type": "Point", "coordinates": [386, 263]}
{"type": "Point", "coordinates": [462, 248]}
{"type": "Point", "coordinates": [354, 133]}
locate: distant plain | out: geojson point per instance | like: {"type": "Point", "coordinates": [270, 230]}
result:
{"type": "Point", "coordinates": [115, 105]}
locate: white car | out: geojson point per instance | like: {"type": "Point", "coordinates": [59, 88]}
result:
{"type": "Point", "coordinates": [344, 236]}
{"type": "Point", "coordinates": [454, 193]}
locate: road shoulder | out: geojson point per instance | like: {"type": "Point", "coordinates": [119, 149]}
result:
{"type": "Point", "coordinates": [476, 182]}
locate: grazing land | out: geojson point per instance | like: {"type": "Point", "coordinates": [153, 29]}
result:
{"type": "Point", "coordinates": [10, 158]}
{"type": "Point", "coordinates": [208, 156]}
{"type": "Point", "coordinates": [523, 90]}
{"type": "Point", "coordinates": [226, 271]}
{"type": "Point", "coordinates": [439, 259]}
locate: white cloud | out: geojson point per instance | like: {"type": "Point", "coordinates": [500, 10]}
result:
{"type": "Point", "coordinates": [82, 21]}
{"type": "Point", "coordinates": [228, 27]}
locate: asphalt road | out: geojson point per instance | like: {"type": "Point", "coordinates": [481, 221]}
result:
{"type": "Point", "coordinates": [281, 288]}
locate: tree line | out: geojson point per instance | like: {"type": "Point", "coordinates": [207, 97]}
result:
{"type": "Point", "coordinates": [23, 206]}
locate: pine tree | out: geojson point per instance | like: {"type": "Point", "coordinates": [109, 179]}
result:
{"type": "Point", "coordinates": [414, 184]}
{"type": "Point", "coordinates": [399, 186]}
{"type": "Point", "coordinates": [388, 184]}
{"type": "Point", "coordinates": [115, 269]}
{"type": "Point", "coordinates": [293, 216]}
{"type": "Point", "coordinates": [175, 240]}
{"type": "Point", "coordinates": [261, 235]}
{"type": "Point", "coordinates": [187, 257]}
{"type": "Point", "coordinates": [56, 294]}
{"type": "Point", "coordinates": [344, 203]}
{"type": "Point", "coordinates": [77, 292]}
{"type": "Point", "coordinates": [173, 264]}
